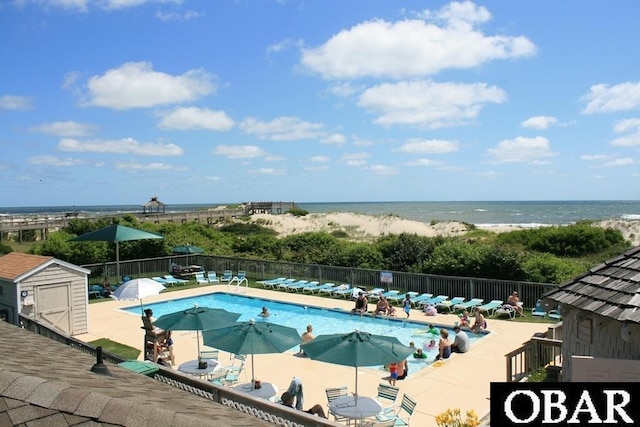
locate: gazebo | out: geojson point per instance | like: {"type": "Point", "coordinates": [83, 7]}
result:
{"type": "Point", "coordinates": [154, 205]}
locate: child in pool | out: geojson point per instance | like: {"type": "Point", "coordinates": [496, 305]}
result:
{"type": "Point", "coordinates": [432, 345]}
{"type": "Point", "coordinates": [433, 330]}
{"type": "Point", "coordinates": [419, 354]}
{"type": "Point", "coordinates": [464, 318]}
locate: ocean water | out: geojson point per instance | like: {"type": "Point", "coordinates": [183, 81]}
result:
{"type": "Point", "coordinates": [525, 213]}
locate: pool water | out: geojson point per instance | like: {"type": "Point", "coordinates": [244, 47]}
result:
{"type": "Point", "coordinates": [324, 321]}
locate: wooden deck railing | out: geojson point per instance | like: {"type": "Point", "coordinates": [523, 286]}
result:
{"type": "Point", "coordinates": [537, 353]}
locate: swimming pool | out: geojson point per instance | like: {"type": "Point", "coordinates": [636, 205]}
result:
{"type": "Point", "coordinates": [324, 320]}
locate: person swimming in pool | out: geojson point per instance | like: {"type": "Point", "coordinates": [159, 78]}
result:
{"type": "Point", "coordinates": [264, 312]}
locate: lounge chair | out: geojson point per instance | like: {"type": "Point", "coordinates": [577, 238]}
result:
{"type": "Point", "coordinates": [163, 281]}
{"type": "Point", "coordinates": [285, 286]}
{"type": "Point", "coordinates": [301, 286]}
{"type": "Point", "coordinates": [434, 300]}
{"type": "Point", "coordinates": [538, 311]}
{"type": "Point", "coordinates": [448, 304]}
{"type": "Point", "coordinates": [227, 276]}
{"type": "Point", "coordinates": [491, 306]}
{"type": "Point", "coordinates": [472, 303]}
{"type": "Point", "coordinates": [174, 280]}
{"type": "Point", "coordinates": [422, 297]}
{"type": "Point", "coordinates": [345, 292]}
{"type": "Point", "coordinates": [374, 294]}
{"type": "Point", "coordinates": [505, 310]}
{"type": "Point", "coordinates": [276, 281]}
{"type": "Point", "coordinates": [271, 284]}
{"type": "Point", "coordinates": [556, 313]}
{"type": "Point", "coordinates": [335, 288]}
{"type": "Point", "coordinates": [201, 279]}
{"type": "Point", "coordinates": [389, 294]}
{"type": "Point", "coordinates": [318, 287]}
{"type": "Point", "coordinates": [400, 297]}
{"type": "Point", "coordinates": [212, 277]}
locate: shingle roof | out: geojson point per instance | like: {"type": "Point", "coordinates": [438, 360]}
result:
{"type": "Point", "coordinates": [43, 382]}
{"type": "Point", "coordinates": [611, 289]}
{"type": "Point", "coordinates": [15, 264]}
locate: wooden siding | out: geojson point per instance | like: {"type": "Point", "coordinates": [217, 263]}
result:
{"type": "Point", "coordinates": [53, 274]}
{"type": "Point", "coordinates": [606, 339]}
{"type": "Point", "coordinates": [8, 300]}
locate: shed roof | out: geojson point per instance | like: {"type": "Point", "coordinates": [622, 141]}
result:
{"type": "Point", "coordinates": [611, 289]}
{"type": "Point", "coordinates": [154, 202]}
{"type": "Point", "coordinates": [14, 266]}
{"type": "Point", "coordinates": [58, 388]}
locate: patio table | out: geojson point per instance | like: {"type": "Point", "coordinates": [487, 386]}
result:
{"type": "Point", "coordinates": [267, 391]}
{"type": "Point", "coordinates": [191, 367]}
{"type": "Point", "coordinates": [355, 407]}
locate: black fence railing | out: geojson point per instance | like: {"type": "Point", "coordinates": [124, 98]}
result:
{"type": "Point", "coordinates": [452, 286]}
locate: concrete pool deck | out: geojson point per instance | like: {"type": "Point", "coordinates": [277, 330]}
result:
{"type": "Point", "coordinates": [463, 382]}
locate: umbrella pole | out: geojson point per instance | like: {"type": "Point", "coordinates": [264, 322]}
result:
{"type": "Point", "coordinates": [356, 385]}
{"type": "Point", "coordinates": [253, 378]}
{"type": "Point", "coordinates": [198, 338]}
{"type": "Point", "coordinates": [118, 261]}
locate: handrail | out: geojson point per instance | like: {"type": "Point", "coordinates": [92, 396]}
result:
{"type": "Point", "coordinates": [261, 408]}
{"type": "Point", "coordinates": [536, 353]}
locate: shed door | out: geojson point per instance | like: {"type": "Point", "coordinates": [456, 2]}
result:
{"type": "Point", "coordinates": [53, 305]}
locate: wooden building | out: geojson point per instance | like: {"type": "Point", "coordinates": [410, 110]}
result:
{"type": "Point", "coordinates": [45, 288]}
{"type": "Point", "coordinates": [154, 206]}
{"type": "Point", "coordinates": [601, 321]}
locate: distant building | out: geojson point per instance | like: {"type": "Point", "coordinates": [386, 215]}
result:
{"type": "Point", "coordinates": [154, 206]}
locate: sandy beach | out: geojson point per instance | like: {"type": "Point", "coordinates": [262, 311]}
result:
{"type": "Point", "coordinates": [368, 227]}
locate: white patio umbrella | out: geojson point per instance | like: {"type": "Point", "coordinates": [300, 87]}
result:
{"type": "Point", "coordinates": [137, 289]}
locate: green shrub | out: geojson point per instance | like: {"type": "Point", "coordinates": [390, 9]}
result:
{"type": "Point", "coordinates": [340, 234]}
{"type": "Point", "coordinates": [298, 212]}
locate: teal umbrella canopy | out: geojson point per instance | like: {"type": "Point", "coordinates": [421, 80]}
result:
{"type": "Point", "coordinates": [187, 249]}
{"type": "Point", "coordinates": [356, 349]}
{"type": "Point", "coordinates": [252, 338]}
{"type": "Point", "coordinates": [196, 319]}
{"type": "Point", "coordinates": [116, 233]}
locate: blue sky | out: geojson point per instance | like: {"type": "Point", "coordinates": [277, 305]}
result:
{"type": "Point", "coordinates": [115, 101]}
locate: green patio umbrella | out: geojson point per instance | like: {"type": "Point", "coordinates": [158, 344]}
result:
{"type": "Point", "coordinates": [196, 319]}
{"type": "Point", "coordinates": [356, 349]}
{"type": "Point", "coordinates": [116, 233]}
{"type": "Point", "coordinates": [252, 338]}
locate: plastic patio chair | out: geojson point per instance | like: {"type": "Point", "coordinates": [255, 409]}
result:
{"type": "Point", "coordinates": [212, 277]}
{"type": "Point", "coordinates": [401, 418]}
{"type": "Point", "coordinates": [387, 393]}
{"type": "Point", "coordinates": [332, 394]}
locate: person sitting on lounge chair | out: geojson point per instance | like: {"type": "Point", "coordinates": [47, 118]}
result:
{"type": "Point", "coordinates": [287, 400]}
{"type": "Point", "coordinates": [514, 301]}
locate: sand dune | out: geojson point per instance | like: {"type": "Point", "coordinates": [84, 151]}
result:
{"type": "Point", "coordinates": [367, 227]}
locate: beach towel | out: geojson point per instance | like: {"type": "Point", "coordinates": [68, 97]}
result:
{"type": "Point", "coordinates": [295, 389]}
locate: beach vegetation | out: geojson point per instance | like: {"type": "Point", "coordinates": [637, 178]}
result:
{"type": "Point", "coordinates": [5, 249]}
{"type": "Point", "coordinates": [245, 229]}
{"type": "Point", "coordinates": [298, 212]}
{"type": "Point", "coordinates": [406, 252]}
{"type": "Point", "coordinates": [340, 234]}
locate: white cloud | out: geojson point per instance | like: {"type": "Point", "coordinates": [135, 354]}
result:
{"type": "Point", "coordinates": [414, 47]}
{"type": "Point", "coordinates": [603, 98]}
{"type": "Point", "coordinates": [430, 104]}
{"type": "Point", "coordinates": [382, 170]}
{"type": "Point", "coordinates": [319, 159]}
{"type": "Point", "coordinates": [54, 161]}
{"type": "Point", "coordinates": [335, 138]}
{"type": "Point", "coordinates": [188, 118]}
{"type": "Point", "coordinates": [539, 122]}
{"type": "Point", "coordinates": [521, 149]}
{"type": "Point", "coordinates": [620, 162]}
{"type": "Point", "coordinates": [120, 146]}
{"type": "Point", "coordinates": [424, 162]}
{"type": "Point", "coordinates": [267, 171]}
{"type": "Point", "coordinates": [137, 85]}
{"type": "Point", "coordinates": [319, 168]}
{"type": "Point", "coordinates": [489, 174]}
{"type": "Point", "coordinates": [343, 90]}
{"type": "Point", "coordinates": [627, 125]}
{"type": "Point", "coordinates": [68, 129]}
{"type": "Point", "coordinates": [355, 162]}
{"type": "Point", "coordinates": [630, 140]}
{"type": "Point", "coordinates": [133, 166]}
{"type": "Point", "coordinates": [175, 16]}
{"type": "Point", "coordinates": [12, 102]}
{"type": "Point", "coordinates": [284, 45]}
{"type": "Point", "coordinates": [428, 146]}
{"type": "Point", "coordinates": [590, 157]}
{"type": "Point", "coordinates": [282, 129]}
{"type": "Point", "coordinates": [239, 151]}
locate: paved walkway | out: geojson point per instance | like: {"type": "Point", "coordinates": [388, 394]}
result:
{"type": "Point", "coordinates": [463, 382]}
